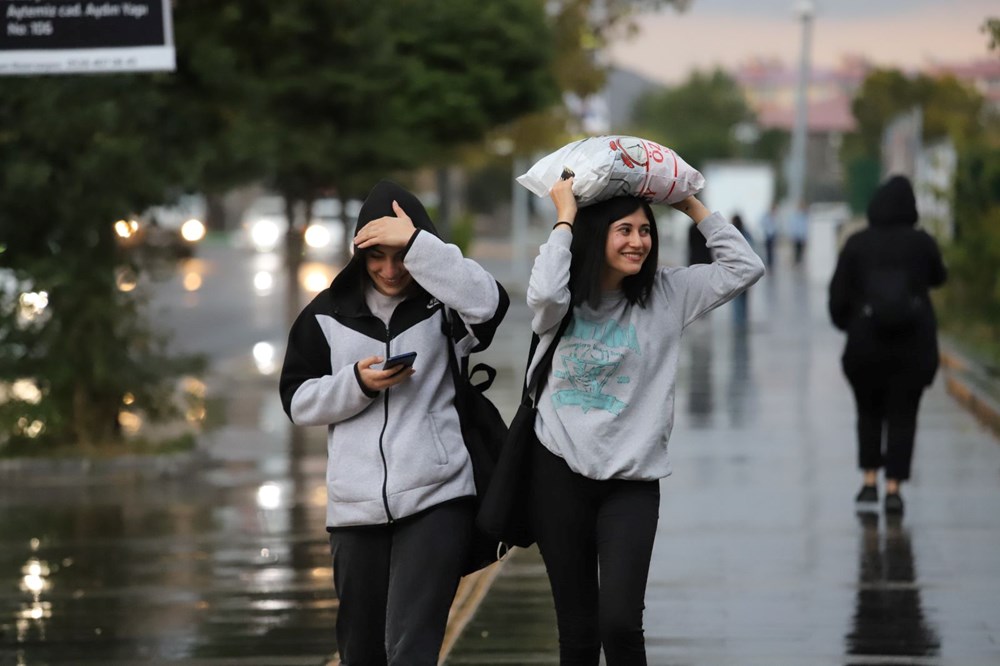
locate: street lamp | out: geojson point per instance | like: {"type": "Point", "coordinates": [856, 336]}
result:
{"type": "Point", "coordinates": [805, 9]}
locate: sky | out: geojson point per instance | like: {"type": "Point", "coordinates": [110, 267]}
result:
{"type": "Point", "coordinates": [897, 33]}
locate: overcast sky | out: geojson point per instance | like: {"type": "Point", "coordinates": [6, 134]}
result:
{"type": "Point", "coordinates": [899, 33]}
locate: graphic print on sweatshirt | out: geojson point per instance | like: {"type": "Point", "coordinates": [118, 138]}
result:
{"type": "Point", "coordinates": [589, 357]}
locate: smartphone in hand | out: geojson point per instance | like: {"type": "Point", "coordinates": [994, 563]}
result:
{"type": "Point", "coordinates": [400, 361]}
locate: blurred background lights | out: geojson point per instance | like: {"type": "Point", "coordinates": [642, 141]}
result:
{"type": "Point", "coordinates": [26, 390]}
{"type": "Point", "coordinates": [193, 230]}
{"type": "Point", "coordinates": [192, 281]}
{"type": "Point", "coordinates": [317, 236]}
{"type": "Point", "coordinates": [126, 228]}
{"type": "Point", "coordinates": [31, 305]}
{"type": "Point", "coordinates": [264, 357]}
{"type": "Point", "coordinates": [269, 496]}
{"type": "Point", "coordinates": [126, 279]}
{"type": "Point", "coordinates": [265, 235]}
{"type": "Point", "coordinates": [263, 281]}
{"type": "Point", "coordinates": [315, 277]}
{"type": "Point", "coordinates": [130, 422]}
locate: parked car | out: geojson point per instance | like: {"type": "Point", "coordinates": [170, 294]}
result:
{"type": "Point", "coordinates": [173, 230]}
{"type": "Point", "coordinates": [265, 224]}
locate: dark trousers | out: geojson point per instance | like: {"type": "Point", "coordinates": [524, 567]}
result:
{"type": "Point", "coordinates": [887, 414]}
{"type": "Point", "coordinates": [596, 538]}
{"type": "Point", "coordinates": [396, 583]}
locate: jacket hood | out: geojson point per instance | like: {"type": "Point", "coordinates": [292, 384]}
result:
{"type": "Point", "coordinates": [378, 204]}
{"type": "Point", "coordinates": [348, 286]}
{"type": "Point", "coordinates": [893, 204]}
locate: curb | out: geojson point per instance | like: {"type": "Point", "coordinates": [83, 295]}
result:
{"type": "Point", "coordinates": [971, 387]}
{"type": "Point", "coordinates": [471, 591]}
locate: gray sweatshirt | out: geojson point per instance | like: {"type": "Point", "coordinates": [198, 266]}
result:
{"type": "Point", "coordinates": [608, 405]}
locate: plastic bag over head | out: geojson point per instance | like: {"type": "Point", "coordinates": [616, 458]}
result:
{"type": "Point", "coordinates": [611, 166]}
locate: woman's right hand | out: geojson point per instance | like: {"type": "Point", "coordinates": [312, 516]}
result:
{"type": "Point", "coordinates": [379, 380]}
{"type": "Point", "coordinates": [562, 197]}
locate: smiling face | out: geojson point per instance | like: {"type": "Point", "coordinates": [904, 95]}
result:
{"type": "Point", "coordinates": [627, 246]}
{"type": "Point", "coordinates": [386, 270]}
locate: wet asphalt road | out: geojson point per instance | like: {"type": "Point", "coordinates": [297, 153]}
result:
{"type": "Point", "coordinates": [760, 556]}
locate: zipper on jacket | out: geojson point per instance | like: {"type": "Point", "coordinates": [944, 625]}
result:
{"type": "Point", "coordinates": [381, 447]}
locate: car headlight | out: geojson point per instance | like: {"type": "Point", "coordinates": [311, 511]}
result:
{"type": "Point", "coordinates": [193, 230]}
{"type": "Point", "coordinates": [317, 236]}
{"type": "Point", "coordinates": [264, 234]}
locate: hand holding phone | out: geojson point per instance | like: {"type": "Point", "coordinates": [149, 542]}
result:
{"type": "Point", "coordinates": [377, 375]}
{"type": "Point", "coordinates": [400, 361]}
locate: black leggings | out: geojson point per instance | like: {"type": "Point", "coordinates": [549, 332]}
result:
{"type": "Point", "coordinates": [891, 409]}
{"type": "Point", "coordinates": [396, 584]}
{"type": "Point", "coordinates": [596, 538]}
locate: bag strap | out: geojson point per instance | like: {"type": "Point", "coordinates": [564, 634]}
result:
{"type": "Point", "coordinates": [460, 370]}
{"type": "Point", "coordinates": [537, 382]}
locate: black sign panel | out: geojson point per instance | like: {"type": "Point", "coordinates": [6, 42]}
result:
{"type": "Point", "coordinates": [34, 33]}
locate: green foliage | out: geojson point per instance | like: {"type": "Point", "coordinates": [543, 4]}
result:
{"type": "Point", "coordinates": [462, 231]}
{"type": "Point", "coordinates": [972, 295]}
{"type": "Point", "coordinates": [75, 155]}
{"type": "Point", "coordinates": [310, 96]}
{"type": "Point", "coordinates": [696, 118]}
{"type": "Point", "coordinates": [863, 175]}
{"type": "Point", "coordinates": [950, 109]}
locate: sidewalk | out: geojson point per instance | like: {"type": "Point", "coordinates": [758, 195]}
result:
{"type": "Point", "coordinates": [760, 557]}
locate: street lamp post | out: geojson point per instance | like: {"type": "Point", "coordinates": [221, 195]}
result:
{"type": "Point", "coordinates": [797, 162]}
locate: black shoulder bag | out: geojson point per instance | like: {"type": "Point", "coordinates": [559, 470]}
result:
{"type": "Point", "coordinates": [504, 510]}
{"type": "Point", "coordinates": [484, 432]}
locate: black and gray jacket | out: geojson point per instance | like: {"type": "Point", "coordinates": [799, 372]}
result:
{"type": "Point", "coordinates": [398, 452]}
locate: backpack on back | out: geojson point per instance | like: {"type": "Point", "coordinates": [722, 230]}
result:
{"type": "Point", "coordinates": [890, 303]}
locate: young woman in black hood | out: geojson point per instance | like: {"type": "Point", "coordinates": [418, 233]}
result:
{"type": "Point", "coordinates": [879, 296]}
{"type": "Point", "coordinates": [399, 480]}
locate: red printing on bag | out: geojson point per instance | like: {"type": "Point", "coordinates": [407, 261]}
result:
{"type": "Point", "coordinates": [654, 152]}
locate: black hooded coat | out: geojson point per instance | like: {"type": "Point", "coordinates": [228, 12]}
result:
{"type": "Point", "coordinates": [910, 356]}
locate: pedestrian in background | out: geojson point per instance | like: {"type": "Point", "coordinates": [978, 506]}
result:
{"type": "Point", "coordinates": [798, 231]}
{"type": "Point", "coordinates": [769, 226]}
{"type": "Point", "coordinates": [698, 252]}
{"type": "Point", "coordinates": [606, 411]}
{"type": "Point", "coordinates": [741, 304]}
{"type": "Point", "coordinates": [399, 481]}
{"type": "Point", "coordinates": [879, 295]}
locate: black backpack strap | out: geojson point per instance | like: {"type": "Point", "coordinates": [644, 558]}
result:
{"type": "Point", "coordinates": [537, 382]}
{"type": "Point", "coordinates": [460, 369]}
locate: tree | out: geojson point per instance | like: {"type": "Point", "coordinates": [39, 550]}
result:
{"type": "Point", "coordinates": [972, 295]}
{"type": "Point", "coordinates": [949, 107]}
{"type": "Point", "coordinates": [76, 155]}
{"type": "Point", "coordinates": [696, 118]}
{"type": "Point", "coordinates": [308, 95]}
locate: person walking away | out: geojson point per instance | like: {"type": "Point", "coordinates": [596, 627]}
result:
{"type": "Point", "coordinates": [399, 481]}
{"type": "Point", "coordinates": [879, 296]}
{"type": "Point", "coordinates": [606, 412]}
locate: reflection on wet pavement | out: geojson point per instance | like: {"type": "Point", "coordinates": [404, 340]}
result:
{"type": "Point", "coordinates": [760, 559]}
{"type": "Point", "coordinates": [888, 612]}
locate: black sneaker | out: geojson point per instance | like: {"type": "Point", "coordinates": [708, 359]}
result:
{"type": "Point", "coordinates": [867, 495]}
{"type": "Point", "coordinates": [894, 504]}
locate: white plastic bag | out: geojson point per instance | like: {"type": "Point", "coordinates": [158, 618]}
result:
{"type": "Point", "coordinates": [611, 166]}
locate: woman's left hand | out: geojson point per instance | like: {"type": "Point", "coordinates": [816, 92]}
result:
{"type": "Point", "coordinates": [388, 231]}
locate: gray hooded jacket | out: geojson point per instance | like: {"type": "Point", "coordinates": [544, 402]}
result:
{"type": "Point", "coordinates": [395, 453]}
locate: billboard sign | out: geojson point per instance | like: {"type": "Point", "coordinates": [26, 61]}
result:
{"type": "Point", "coordinates": [75, 36]}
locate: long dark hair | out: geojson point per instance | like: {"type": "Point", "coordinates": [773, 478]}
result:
{"type": "Point", "coordinates": [590, 234]}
